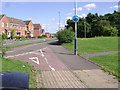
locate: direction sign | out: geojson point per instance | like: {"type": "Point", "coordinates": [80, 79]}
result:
{"type": "Point", "coordinates": [75, 18]}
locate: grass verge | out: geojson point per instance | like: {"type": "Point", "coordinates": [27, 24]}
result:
{"type": "Point", "coordinates": [94, 45]}
{"type": "Point", "coordinates": [109, 63]}
{"type": "Point", "coordinates": [14, 65]}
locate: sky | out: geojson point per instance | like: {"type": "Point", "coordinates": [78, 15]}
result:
{"type": "Point", "coordinates": [46, 13]}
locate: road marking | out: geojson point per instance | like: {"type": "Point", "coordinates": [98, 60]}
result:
{"type": "Point", "coordinates": [35, 59]}
{"type": "Point", "coordinates": [52, 68]}
{"type": "Point", "coordinates": [45, 48]}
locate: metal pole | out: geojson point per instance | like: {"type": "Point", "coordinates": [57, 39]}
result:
{"type": "Point", "coordinates": [59, 20]}
{"type": "Point", "coordinates": [75, 29]}
{"type": "Point", "coordinates": [85, 28]}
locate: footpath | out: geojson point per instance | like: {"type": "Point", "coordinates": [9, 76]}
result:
{"type": "Point", "coordinates": [80, 74]}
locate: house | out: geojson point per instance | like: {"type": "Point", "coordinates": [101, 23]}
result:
{"type": "Point", "coordinates": [4, 25]}
{"type": "Point", "coordinates": [22, 28]}
{"type": "Point", "coordinates": [37, 30]}
{"type": "Point", "coordinates": [48, 35]}
{"type": "Point", "coordinates": [30, 28]}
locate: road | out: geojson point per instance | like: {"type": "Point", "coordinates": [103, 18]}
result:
{"type": "Point", "coordinates": [15, 43]}
{"type": "Point", "coordinates": [60, 68]}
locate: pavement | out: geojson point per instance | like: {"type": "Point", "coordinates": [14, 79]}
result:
{"type": "Point", "coordinates": [60, 68]}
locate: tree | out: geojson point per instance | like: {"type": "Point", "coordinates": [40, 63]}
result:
{"type": "Point", "coordinates": [12, 33]}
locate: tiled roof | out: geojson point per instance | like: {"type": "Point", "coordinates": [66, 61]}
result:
{"type": "Point", "coordinates": [1, 16]}
{"type": "Point", "coordinates": [27, 22]}
{"type": "Point", "coordinates": [36, 26]}
{"type": "Point", "coordinates": [16, 21]}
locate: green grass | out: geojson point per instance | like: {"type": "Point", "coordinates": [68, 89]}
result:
{"type": "Point", "coordinates": [108, 62]}
{"type": "Point", "coordinates": [14, 65]}
{"type": "Point", "coordinates": [94, 45]}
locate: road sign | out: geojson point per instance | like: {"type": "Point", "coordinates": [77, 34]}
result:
{"type": "Point", "coordinates": [75, 18]}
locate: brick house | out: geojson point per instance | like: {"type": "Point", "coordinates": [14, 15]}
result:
{"type": "Point", "coordinates": [22, 28]}
{"type": "Point", "coordinates": [37, 30]}
{"type": "Point", "coordinates": [48, 35]}
{"type": "Point", "coordinates": [4, 25]}
{"type": "Point", "coordinates": [30, 28]}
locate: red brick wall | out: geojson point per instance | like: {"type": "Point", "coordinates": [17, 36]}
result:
{"type": "Point", "coordinates": [5, 21]}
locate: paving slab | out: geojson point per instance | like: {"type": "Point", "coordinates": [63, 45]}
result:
{"type": "Point", "coordinates": [97, 78]}
{"type": "Point", "coordinates": [61, 79]}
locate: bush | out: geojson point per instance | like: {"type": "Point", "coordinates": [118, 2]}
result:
{"type": "Point", "coordinates": [17, 37]}
{"type": "Point", "coordinates": [4, 36]}
{"type": "Point", "coordinates": [65, 36]}
{"type": "Point", "coordinates": [44, 36]}
{"type": "Point", "coordinates": [39, 36]}
{"type": "Point", "coordinates": [22, 37]}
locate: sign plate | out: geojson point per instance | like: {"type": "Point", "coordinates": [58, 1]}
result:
{"type": "Point", "coordinates": [75, 18]}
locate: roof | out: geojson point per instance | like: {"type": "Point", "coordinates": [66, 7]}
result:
{"type": "Point", "coordinates": [16, 21]}
{"type": "Point", "coordinates": [1, 16]}
{"type": "Point", "coordinates": [37, 26]}
{"type": "Point", "coordinates": [27, 22]}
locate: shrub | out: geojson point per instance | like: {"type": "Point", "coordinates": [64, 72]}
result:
{"type": "Point", "coordinates": [4, 36]}
{"type": "Point", "coordinates": [65, 36]}
{"type": "Point", "coordinates": [17, 37]}
{"type": "Point", "coordinates": [22, 37]}
{"type": "Point", "coordinates": [39, 36]}
{"type": "Point", "coordinates": [44, 36]}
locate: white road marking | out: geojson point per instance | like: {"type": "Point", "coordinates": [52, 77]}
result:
{"type": "Point", "coordinates": [35, 60]}
{"type": "Point", "coordinates": [52, 68]}
{"type": "Point", "coordinates": [45, 48]}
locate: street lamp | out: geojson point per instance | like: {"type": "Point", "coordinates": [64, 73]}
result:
{"type": "Point", "coordinates": [85, 27]}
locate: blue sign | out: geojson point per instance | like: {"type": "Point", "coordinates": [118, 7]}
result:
{"type": "Point", "coordinates": [75, 18]}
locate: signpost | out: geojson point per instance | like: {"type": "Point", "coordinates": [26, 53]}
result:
{"type": "Point", "coordinates": [75, 19]}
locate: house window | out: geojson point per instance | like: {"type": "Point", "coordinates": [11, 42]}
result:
{"type": "Point", "coordinates": [17, 26]}
{"type": "Point", "coordinates": [2, 24]}
{"type": "Point", "coordinates": [6, 24]}
{"type": "Point", "coordinates": [23, 27]}
{"type": "Point", "coordinates": [20, 27]}
{"type": "Point", "coordinates": [23, 33]}
{"type": "Point", "coordinates": [29, 27]}
{"type": "Point", "coordinates": [2, 31]}
{"type": "Point", "coordinates": [13, 26]}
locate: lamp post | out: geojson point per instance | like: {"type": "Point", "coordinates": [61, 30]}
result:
{"type": "Point", "coordinates": [85, 27]}
{"type": "Point", "coordinates": [75, 29]}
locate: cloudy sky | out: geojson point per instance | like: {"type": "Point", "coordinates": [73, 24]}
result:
{"type": "Point", "coordinates": [46, 13]}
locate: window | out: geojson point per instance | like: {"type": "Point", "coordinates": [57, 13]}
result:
{"type": "Point", "coordinates": [23, 33]}
{"type": "Point", "coordinates": [29, 27]}
{"type": "Point", "coordinates": [13, 26]}
{"type": "Point", "coordinates": [17, 26]}
{"type": "Point", "coordinates": [6, 24]}
{"type": "Point", "coordinates": [23, 27]}
{"type": "Point", "coordinates": [2, 24]}
{"type": "Point", "coordinates": [20, 27]}
{"type": "Point", "coordinates": [2, 31]}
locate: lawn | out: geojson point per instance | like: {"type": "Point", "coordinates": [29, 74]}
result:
{"type": "Point", "coordinates": [14, 65]}
{"type": "Point", "coordinates": [94, 45]}
{"type": "Point", "coordinates": [108, 62]}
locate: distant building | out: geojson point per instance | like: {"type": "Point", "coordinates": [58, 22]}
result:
{"type": "Point", "coordinates": [37, 30]}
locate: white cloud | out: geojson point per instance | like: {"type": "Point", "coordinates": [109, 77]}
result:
{"type": "Point", "coordinates": [78, 9]}
{"type": "Point", "coordinates": [69, 14]}
{"type": "Point", "coordinates": [69, 18]}
{"type": "Point", "coordinates": [90, 6]}
{"type": "Point", "coordinates": [82, 15]}
{"type": "Point", "coordinates": [115, 7]}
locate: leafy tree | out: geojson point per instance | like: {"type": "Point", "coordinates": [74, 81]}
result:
{"type": "Point", "coordinates": [65, 36]}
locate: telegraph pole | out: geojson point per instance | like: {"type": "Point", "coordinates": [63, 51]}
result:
{"type": "Point", "coordinates": [75, 28]}
{"type": "Point", "coordinates": [59, 20]}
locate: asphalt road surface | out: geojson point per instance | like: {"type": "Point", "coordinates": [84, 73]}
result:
{"type": "Point", "coordinates": [15, 43]}
{"type": "Point", "coordinates": [60, 68]}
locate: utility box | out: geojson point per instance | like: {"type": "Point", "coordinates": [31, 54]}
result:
{"type": "Point", "coordinates": [14, 80]}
